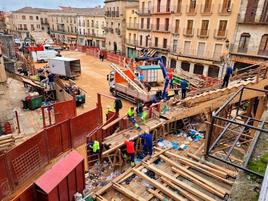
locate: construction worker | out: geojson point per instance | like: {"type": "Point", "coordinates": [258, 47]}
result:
{"type": "Point", "coordinates": [95, 146]}
{"type": "Point", "coordinates": [51, 78]}
{"type": "Point", "coordinates": [130, 115]}
{"type": "Point", "coordinates": [147, 143]}
{"type": "Point", "coordinates": [141, 77]}
{"type": "Point", "coordinates": [139, 109]}
{"type": "Point", "coordinates": [229, 72]}
{"type": "Point", "coordinates": [144, 116]}
{"type": "Point", "coordinates": [184, 86]}
{"type": "Point", "coordinates": [130, 150]}
{"type": "Point", "coordinates": [118, 105]}
{"type": "Point", "coordinates": [108, 111]}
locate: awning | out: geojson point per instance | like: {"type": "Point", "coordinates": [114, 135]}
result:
{"type": "Point", "coordinates": [149, 67]}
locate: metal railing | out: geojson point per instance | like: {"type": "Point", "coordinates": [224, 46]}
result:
{"type": "Point", "coordinates": [191, 9]}
{"type": "Point", "coordinates": [206, 10]}
{"type": "Point", "coordinates": [145, 11]}
{"type": "Point", "coordinates": [163, 9]}
{"type": "Point", "coordinates": [220, 34]}
{"type": "Point", "coordinates": [203, 33]}
{"type": "Point", "coordinates": [225, 9]}
{"type": "Point", "coordinates": [111, 13]}
{"type": "Point", "coordinates": [188, 32]}
{"type": "Point", "coordinates": [210, 55]}
{"type": "Point", "coordinates": [132, 26]}
{"type": "Point", "coordinates": [161, 27]}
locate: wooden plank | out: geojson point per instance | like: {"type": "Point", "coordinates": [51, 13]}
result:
{"type": "Point", "coordinates": [100, 198]}
{"type": "Point", "coordinates": [180, 183]}
{"type": "Point", "coordinates": [164, 189]}
{"type": "Point", "coordinates": [127, 192]}
{"type": "Point", "coordinates": [205, 172]}
{"type": "Point", "coordinates": [183, 192]}
{"type": "Point", "coordinates": [229, 172]}
{"type": "Point", "coordinates": [157, 195]}
{"type": "Point", "coordinates": [184, 160]}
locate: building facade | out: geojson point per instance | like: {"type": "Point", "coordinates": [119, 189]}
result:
{"type": "Point", "coordinates": [115, 28]}
{"type": "Point", "coordinates": [251, 40]}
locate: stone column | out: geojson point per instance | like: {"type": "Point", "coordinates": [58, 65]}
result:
{"type": "Point", "coordinates": [205, 71]}
{"type": "Point", "coordinates": [191, 70]}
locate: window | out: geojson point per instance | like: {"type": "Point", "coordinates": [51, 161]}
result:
{"type": "Point", "coordinates": [201, 49]}
{"type": "Point", "coordinates": [142, 23]}
{"type": "Point", "coordinates": [264, 15]}
{"type": "Point", "coordinates": [92, 23]}
{"type": "Point", "coordinates": [177, 26]}
{"type": "Point", "coordinates": [158, 5]}
{"type": "Point", "coordinates": [38, 26]}
{"type": "Point", "coordinates": [148, 23]}
{"type": "Point", "coordinates": [31, 17]}
{"type": "Point", "coordinates": [23, 17]}
{"type": "Point", "coordinates": [174, 48]}
{"type": "Point", "coordinates": [130, 20]}
{"type": "Point", "coordinates": [178, 6]}
{"type": "Point", "coordinates": [189, 29]}
{"type": "Point", "coordinates": [217, 51]}
{"type": "Point", "coordinates": [37, 18]}
{"type": "Point", "coordinates": [156, 42]}
{"type": "Point", "coordinates": [226, 6]}
{"type": "Point", "coordinates": [168, 6]}
{"type": "Point", "coordinates": [140, 40]}
{"type": "Point", "coordinates": [243, 43]}
{"type": "Point", "coordinates": [129, 37]}
{"type": "Point", "coordinates": [165, 43]}
{"type": "Point", "coordinates": [192, 6]}
{"type": "Point", "coordinates": [25, 26]}
{"type": "Point", "coordinates": [222, 28]}
{"type": "Point", "coordinates": [207, 7]}
{"type": "Point", "coordinates": [187, 45]}
{"type": "Point", "coordinates": [142, 7]}
{"type": "Point", "coordinates": [32, 27]}
{"type": "Point", "coordinates": [134, 38]}
{"type": "Point", "coordinates": [204, 28]}
{"type": "Point", "coordinates": [157, 23]}
{"type": "Point", "coordinates": [166, 24]}
{"type": "Point", "coordinates": [263, 49]}
{"type": "Point", "coordinates": [146, 41]}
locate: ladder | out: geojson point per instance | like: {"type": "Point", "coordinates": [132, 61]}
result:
{"type": "Point", "coordinates": [131, 82]}
{"type": "Point", "coordinates": [187, 124]}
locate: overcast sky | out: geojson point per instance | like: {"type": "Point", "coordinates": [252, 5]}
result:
{"type": "Point", "coordinates": [10, 5]}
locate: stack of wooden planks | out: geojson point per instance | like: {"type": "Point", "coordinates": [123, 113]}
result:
{"type": "Point", "coordinates": [172, 177]}
{"type": "Point", "coordinates": [6, 141]}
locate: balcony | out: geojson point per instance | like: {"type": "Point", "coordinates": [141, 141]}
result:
{"type": "Point", "coordinates": [188, 32]}
{"type": "Point", "coordinates": [225, 9]}
{"type": "Point", "coordinates": [175, 32]}
{"type": "Point", "coordinates": [145, 11]}
{"type": "Point", "coordinates": [191, 10]}
{"type": "Point", "coordinates": [202, 33]}
{"type": "Point", "coordinates": [193, 53]}
{"type": "Point", "coordinates": [163, 9]}
{"type": "Point", "coordinates": [132, 26]}
{"type": "Point", "coordinates": [250, 50]}
{"type": "Point", "coordinates": [220, 34]}
{"type": "Point", "coordinates": [132, 42]}
{"type": "Point", "coordinates": [161, 28]}
{"type": "Point", "coordinates": [206, 10]}
{"type": "Point", "coordinates": [145, 27]}
{"type": "Point", "coordinates": [111, 13]}
{"type": "Point", "coordinates": [118, 31]}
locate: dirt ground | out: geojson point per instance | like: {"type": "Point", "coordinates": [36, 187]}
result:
{"type": "Point", "coordinates": [93, 81]}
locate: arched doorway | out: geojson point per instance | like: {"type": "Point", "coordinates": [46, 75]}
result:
{"type": "Point", "coordinates": [115, 47]}
{"type": "Point", "coordinates": [173, 63]}
{"type": "Point", "coordinates": [198, 69]}
{"type": "Point", "coordinates": [213, 71]}
{"type": "Point", "coordinates": [185, 66]}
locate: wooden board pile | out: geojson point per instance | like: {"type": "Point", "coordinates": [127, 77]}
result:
{"type": "Point", "coordinates": [6, 141]}
{"type": "Point", "coordinates": [168, 175]}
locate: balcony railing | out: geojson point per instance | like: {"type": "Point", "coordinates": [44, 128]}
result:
{"type": "Point", "coordinates": [225, 9]}
{"type": "Point", "coordinates": [132, 42]}
{"type": "Point", "coordinates": [202, 33]}
{"type": "Point", "coordinates": [188, 32]}
{"type": "Point", "coordinates": [111, 13]}
{"type": "Point", "coordinates": [163, 9]}
{"type": "Point", "coordinates": [191, 10]}
{"type": "Point", "coordinates": [194, 53]}
{"type": "Point", "coordinates": [251, 49]}
{"type": "Point", "coordinates": [206, 10]}
{"type": "Point", "coordinates": [220, 34]}
{"type": "Point", "coordinates": [145, 27]}
{"type": "Point", "coordinates": [132, 26]}
{"type": "Point", "coordinates": [145, 11]}
{"type": "Point", "coordinates": [161, 28]}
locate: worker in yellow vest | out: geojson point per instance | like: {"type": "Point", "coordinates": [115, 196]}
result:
{"type": "Point", "coordinates": [108, 111]}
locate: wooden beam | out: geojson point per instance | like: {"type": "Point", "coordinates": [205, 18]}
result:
{"type": "Point", "coordinates": [229, 172]}
{"type": "Point", "coordinates": [196, 164]}
{"type": "Point", "coordinates": [180, 183]}
{"type": "Point", "coordinates": [183, 192]}
{"type": "Point", "coordinates": [200, 169]}
{"type": "Point", "coordinates": [155, 194]}
{"type": "Point", "coordinates": [127, 192]}
{"type": "Point", "coordinates": [100, 198]}
{"type": "Point", "coordinates": [164, 189]}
